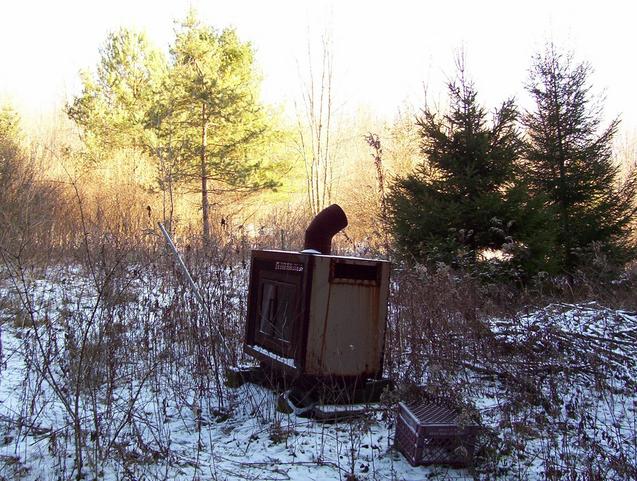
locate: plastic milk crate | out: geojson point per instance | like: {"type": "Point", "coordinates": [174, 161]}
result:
{"type": "Point", "coordinates": [430, 433]}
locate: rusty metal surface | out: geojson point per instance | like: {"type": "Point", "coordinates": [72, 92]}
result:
{"type": "Point", "coordinates": [347, 321]}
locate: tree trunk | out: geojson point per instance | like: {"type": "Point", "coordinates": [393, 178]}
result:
{"type": "Point", "coordinates": [205, 205]}
{"type": "Point", "coordinates": [563, 186]}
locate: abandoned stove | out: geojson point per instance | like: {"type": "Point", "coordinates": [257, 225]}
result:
{"type": "Point", "coordinates": [316, 322]}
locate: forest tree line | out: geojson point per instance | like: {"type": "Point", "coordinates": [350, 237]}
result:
{"type": "Point", "coordinates": [184, 138]}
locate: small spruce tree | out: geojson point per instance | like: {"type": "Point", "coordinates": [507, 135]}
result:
{"type": "Point", "coordinates": [569, 160]}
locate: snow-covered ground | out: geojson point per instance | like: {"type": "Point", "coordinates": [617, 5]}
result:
{"type": "Point", "coordinates": [572, 370]}
{"type": "Point", "coordinates": [110, 378]}
{"type": "Point", "coordinates": [166, 441]}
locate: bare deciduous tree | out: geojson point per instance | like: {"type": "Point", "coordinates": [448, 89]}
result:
{"type": "Point", "coordinates": [315, 126]}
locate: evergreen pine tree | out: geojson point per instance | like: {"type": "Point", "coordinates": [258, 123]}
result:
{"type": "Point", "coordinates": [569, 160]}
{"type": "Point", "coordinates": [214, 91]}
{"type": "Point", "coordinates": [197, 113]}
{"type": "Point", "coordinates": [464, 197]}
{"type": "Point", "coordinates": [111, 110]}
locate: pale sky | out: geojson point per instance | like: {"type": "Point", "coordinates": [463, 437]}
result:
{"type": "Point", "coordinates": [385, 51]}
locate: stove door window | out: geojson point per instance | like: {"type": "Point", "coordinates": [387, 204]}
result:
{"type": "Point", "coordinates": [277, 309]}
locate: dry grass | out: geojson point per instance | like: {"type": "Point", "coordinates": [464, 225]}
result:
{"type": "Point", "coordinates": [122, 320]}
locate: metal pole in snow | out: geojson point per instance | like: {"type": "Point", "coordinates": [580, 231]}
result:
{"type": "Point", "coordinates": [181, 263]}
{"type": "Point", "coordinates": [198, 295]}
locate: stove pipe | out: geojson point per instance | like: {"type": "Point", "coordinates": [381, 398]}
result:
{"type": "Point", "coordinates": [324, 226]}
